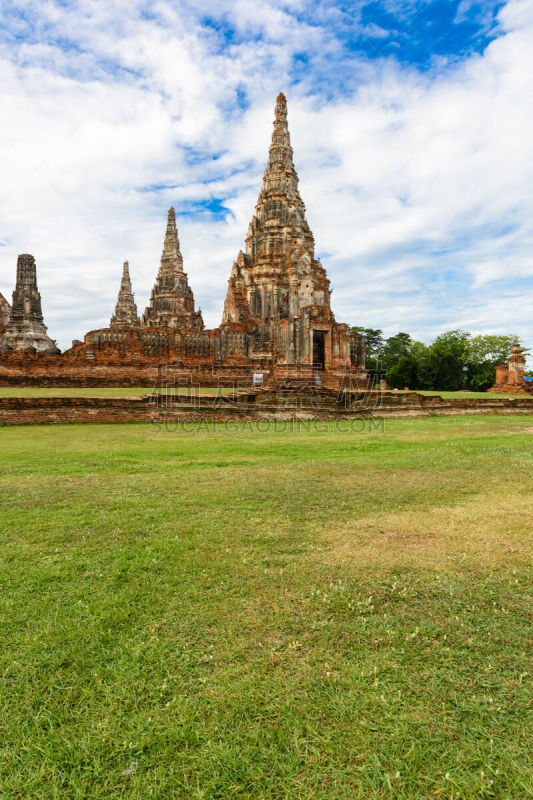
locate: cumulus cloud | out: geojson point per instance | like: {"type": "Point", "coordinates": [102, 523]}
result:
{"type": "Point", "coordinates": [416, 180]}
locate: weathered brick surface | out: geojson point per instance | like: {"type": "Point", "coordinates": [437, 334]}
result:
{"type": "Point", "coordinates": [5, 311]}
{"type": "Point", "coordinates": [245, 406]}
{"type": "Point", "coordinates": [17, 369]}
{"type": "Point", "coordinates": [278, 296]}
{"type": "Point", "coordinates": [172, 302]}
{"type": "Point", "coordinates": [510, 377]}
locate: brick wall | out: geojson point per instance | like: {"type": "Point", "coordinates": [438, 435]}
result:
{"type": "Point", "coordinates": [250, 406]}
{"type": "Point", "coordinates": [55, 373]}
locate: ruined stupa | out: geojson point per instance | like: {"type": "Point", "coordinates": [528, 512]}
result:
{"type": "Point", "coordinates": [125, 315]}
{"type": "Point", "coordinates": [510, 377]}
{"type": "Point", "coordinates": [278, 291]}
{"type": "Point", "coordinates": [26, 330]}
{"type": "Point", "coordinates": [172, 300]}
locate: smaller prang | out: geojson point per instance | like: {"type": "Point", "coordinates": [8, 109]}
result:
{"type": "Point", "coordinates": [125, 315]}
{"type": "Point", "coordinates": [26, 331]}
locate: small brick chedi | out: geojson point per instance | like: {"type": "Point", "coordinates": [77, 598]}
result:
{"type": "Point", "coordinates": [276, 318]}
{"type": "Point", "coordinates": [25, 330]}
{"type": "Point", "coordinates": [510, 376]}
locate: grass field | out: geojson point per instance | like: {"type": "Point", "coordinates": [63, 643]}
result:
{"type": "Point", "coordinates": [233, 614]}
{"type": "Point", "coordinates": [446, 395]}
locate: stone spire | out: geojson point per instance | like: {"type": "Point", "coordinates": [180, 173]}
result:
{"type": "Point", "coordinates": [278, 267]}
{"type": "Point", "coordinates": [172, 300]}
{"type": "Point", "coordinates": [171, 258]}
{"type": "Point", "coordinates": [280, 179]}
{"type": "Point", "coordinates": [26, 329]}
{"type": "Point", "coordinates": [279, 211]}
{"type": "Point", "coordinates": [125, 315]}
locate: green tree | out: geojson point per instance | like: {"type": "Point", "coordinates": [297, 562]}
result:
{"type": "Point", "coordinates": [480, 376]}
{"type": "Point", "coordinates": [395, 346]}
{"type": "Point", "coordinates": [491, 348]}
{"type": "Point", "coordinates": [455, 360]}
{"type": "Point", "coordinates": [484, 353]}
{"type": "Point", "coordinates": [445, 367]}
{"type": "Point", "coordinates": [403, 373]}
{"type": "Point", "coordinates": [401, 359]}
{"type": "Point", "coordinates": [373, 345]}
{"type": "Point", "coordinates": [419, 350]}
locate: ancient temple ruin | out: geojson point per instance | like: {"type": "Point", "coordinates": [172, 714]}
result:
{"type": "Point", "coordinates": [25, 330]}
{"type": "Point", "coordinates": [276, 319]}
{"type": "Point", "coordinates": [510, 377]}
{"type": "Point", "coordinates": [277, 316]}
{"type": "Point", "coordinates": [171, 329]}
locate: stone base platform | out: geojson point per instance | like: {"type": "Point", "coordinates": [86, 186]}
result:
{"type": "Point", "coordinates": [526, 391]}
{"type": "Point", "coordinates": [247, 406]}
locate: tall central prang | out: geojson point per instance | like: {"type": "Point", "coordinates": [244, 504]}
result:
{"type": "Point", "coordinates": [278, 291]}
{"type": "Point", "coordinates": [278, 270]}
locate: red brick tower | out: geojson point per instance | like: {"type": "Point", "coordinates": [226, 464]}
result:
{"type": "Point", "coordinates": [278, 292]}
{"type": "Point", "coordinates": [172, 300]}
{"type": "Point", "coordinates": [125, 315]}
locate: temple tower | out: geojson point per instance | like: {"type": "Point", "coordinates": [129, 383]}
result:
{"type": "Point", "coordinates": [510, 377]}
{"type": "Point", "coordinates": [125, 315]}
{"type": "Point", "coordinates": [172, 300]}
{"type": "Point", "coordinates": [516, 365]}
{"type": "Point", "coordinates": [278, 269]}
{"type": "Point", "coordinates": [278, 291]}
{"type": "Point", "coordinates": [26, 329]}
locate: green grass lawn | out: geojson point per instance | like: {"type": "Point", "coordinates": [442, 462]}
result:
{"type": "Point", "coordinates": [231, 614]}
{"type": "Point", "coordinates": [446, 395]}
{"type": "Point", "coordinates": [490, 395]}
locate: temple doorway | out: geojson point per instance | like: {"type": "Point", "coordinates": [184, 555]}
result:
{"type": "Point", "coordinates": [319, 350]}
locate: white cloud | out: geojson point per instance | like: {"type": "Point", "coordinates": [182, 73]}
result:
{"type": "Point", "coordinates": [417, 184]}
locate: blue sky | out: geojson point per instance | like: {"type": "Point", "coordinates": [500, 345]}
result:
{"type": "Point", "coordinates": [410, 121]}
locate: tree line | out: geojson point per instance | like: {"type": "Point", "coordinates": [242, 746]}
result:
{"type": "Point", "coordinates": [455, 360]}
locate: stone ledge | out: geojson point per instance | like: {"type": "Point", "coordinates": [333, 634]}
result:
{"type": "Point", "coordinates": [249, 406]}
